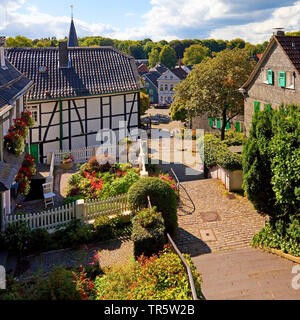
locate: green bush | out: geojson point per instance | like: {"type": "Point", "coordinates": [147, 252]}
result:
{"type": "Point", "coordinates": [233, 138]}
{"type": "Point", "coordinates": [281, 236]}
{"type": "Point", "coordinates": [160, 277]}
{"type": "Point", "coordinates": [40, 240]}
{"type": "Point", "coordinates": [285, 159]}
{"type": "Point", "coordinates": [257, 173]}
{"type": "Point", "coordinates": [73, 234]}
{"type": "Point", "coordinates": [217, 152]}
{"type": "Point", "coordinates": [162, 196]}
{"type": "Point", "coordinates": [59, 285]}
{"type": "Point", "coordinates": [18, 237]}
{"type": "Point", "coordinates": [72, 199]}
{"type": "Point", "coordinates": [148, 232]}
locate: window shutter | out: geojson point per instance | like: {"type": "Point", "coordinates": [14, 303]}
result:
{"type": "Point", "coordinates": [227, 125]}
{"type": "Point", "coordinates": [269, 108]}
{"type": "Point", "coordinates": [282, 79]}
{"type": "Point", "coordinates": [218, 123]}
{"type": "Point", "coordinates": [211, 122]}
{"type": "Point", "coordinates": [270, 75]}
{"type": "Point", "coordinates": [256, 106]}
{"type": "Point", "coordinates": [237, 126]}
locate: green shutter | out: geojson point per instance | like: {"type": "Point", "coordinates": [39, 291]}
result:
{"type": "Point", "coordinates": [237, 126]}
{"type": "Point", "coordinates": [218, 123]}
{"type": "Point", "coordinates": [211, 122]}
{"type": "Point", "coordinates": [227, 125]}
{"type": "Point", "coordinates": [270, 77]}
{"type": "Point", "coordinates": [269, 108]}
{"type": "Point", "coordinates": [282, 79]}
{"type": "Point", "coordinates": [256, 106]}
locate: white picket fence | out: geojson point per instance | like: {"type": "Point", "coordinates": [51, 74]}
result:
{"type": "Point", "coordinates": [110, 206]}
{"type": "Point", "coordinates": [49, 220]}
{"type": "Point", "coordinates": [80, 155]}
{"type": "Point", "coordinates": [86, 211]}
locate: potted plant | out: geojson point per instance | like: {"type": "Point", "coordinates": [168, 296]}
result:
{"type": "Point", "coordinates": [68, 161]}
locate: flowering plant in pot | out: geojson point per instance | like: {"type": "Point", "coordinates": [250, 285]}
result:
{"type": "Point", "coordinates": [68, 161]}
{"type": "Point", "coordinates": [25, 173]}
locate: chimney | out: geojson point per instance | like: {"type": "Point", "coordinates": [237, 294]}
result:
{"type": "Point", "coordinates": [2, 57]}
{"type": "Point", "coordinates": [63, 54]}
{"type": "Point", "coordinates": [278, 32]}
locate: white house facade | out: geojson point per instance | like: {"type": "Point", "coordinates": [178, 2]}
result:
{"type": "Point", "coordinates": [167, 82]}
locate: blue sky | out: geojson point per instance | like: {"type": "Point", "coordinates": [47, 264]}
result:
{"type": "Point", "coordinates": [251, 20]}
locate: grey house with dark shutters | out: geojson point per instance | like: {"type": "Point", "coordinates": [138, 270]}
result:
{"type": "Point", "coordinates": [276, 77]}
{"type": "Point", "coordinates": [77, 92]}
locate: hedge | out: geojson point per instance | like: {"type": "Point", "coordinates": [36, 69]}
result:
{"type": "Point", "coordinates": [162, 196]}
{"type": "Point", "coordinates": [216, 152]}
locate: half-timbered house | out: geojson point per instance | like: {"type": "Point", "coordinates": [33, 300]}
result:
{"type": "Point", "coordinates": [77, 92]}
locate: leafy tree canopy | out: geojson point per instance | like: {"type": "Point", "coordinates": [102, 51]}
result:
{"type": "Point", "coordinates": [168, 57]}
{"type": "Point", "coordinates": [212, 87]}
{"type": "Point", "coordinates": [195, 54]}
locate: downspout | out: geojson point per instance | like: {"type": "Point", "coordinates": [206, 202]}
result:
{"type": "Point", "coordinates": [60, 124]}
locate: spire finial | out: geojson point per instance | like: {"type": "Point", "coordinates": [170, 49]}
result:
{"type": "Point", "coordinates": [72, 7]}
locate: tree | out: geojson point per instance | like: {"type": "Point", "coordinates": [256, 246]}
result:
{"type": "Point", "coordinates": [212, 87]}
{"type": "Point", "coordinates": [195, 54]}
{"type": "Point", "coordinates": [236, 43]}
{"type": "Point", "coordinates": [178, 47]}
{"type": "Point", "coordinates": [137, 51]}
{"type": "Point", "coordinates": [145, 102]}
{"type": "Point", "coordinates": [168, 57]}
{"type": "Point", "coordinates": [153, 57]}
{"type": "Point", "coordinates": [19, 42]}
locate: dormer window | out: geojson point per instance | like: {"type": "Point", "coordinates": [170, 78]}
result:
{"type": "Point", "coordinates": [42, 69]}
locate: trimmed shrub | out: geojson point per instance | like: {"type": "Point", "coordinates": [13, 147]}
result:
{"type": "Point", "coordinates": [148, 232]}
{"type": "Point", "coordinates": [162, 196]}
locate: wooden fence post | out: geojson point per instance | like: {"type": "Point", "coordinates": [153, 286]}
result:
{"type": "Point", "coordinates": [80, 210]}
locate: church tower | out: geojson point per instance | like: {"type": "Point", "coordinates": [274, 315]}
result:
{"type": "Point", "coordinates": [73, 40]}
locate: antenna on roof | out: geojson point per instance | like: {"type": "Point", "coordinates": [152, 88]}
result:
{"type": "Point", "coordinates": [72, 7]}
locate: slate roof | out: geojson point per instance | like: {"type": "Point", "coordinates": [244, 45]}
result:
{"type": "Point", "coordinates": [290, 46]}
{"type": "Point", "coordinates": [72, 40]}
{"type": "Point", "coordinates": [94, 70]}
{"type": "Point", "coordinates": [152, 77]}
{"type": "Point", "coordinates": [12, 83]}
{"type": "Point", "coordinates": [142, 69]}
{"type": "Point", "coordinates": [179, 72]}
{"type": "Point", "coordinates": [160, 68]}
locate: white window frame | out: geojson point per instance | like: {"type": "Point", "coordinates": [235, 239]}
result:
{"type": "Point", "coordinates": [34, 109]}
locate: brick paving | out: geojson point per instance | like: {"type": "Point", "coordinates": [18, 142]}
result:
{"type": "Point", "coordinates": [237, 221]}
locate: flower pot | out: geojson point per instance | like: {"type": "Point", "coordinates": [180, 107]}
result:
{"type": "Point", "coordinates": [67, 165]}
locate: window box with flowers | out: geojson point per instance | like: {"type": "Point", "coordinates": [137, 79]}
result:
{"type": "Point", "coordinates": [15, 140]}
{"type": "Point", "coordinates": [68, 161]}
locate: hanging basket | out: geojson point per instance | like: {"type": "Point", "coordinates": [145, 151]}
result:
{"type": "Point", "coordinates": [67, 165]}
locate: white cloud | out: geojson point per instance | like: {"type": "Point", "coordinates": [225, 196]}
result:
{"type": "Point", "coordinates": [257, 32]}
{"type": "Point", "coordinates": [167, 19]}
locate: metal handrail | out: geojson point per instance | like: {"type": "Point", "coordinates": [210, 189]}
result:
{"type": "Point", "coordinates": [178, 185]}
{"type": "Point", "coordinates": [186, 266]}
{"type": "Point", "coordinates": [181, 257]}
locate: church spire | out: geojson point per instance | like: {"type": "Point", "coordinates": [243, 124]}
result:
{"type": "Point", "coordinates": [73, 40]}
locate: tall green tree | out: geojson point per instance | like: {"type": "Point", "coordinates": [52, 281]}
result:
{"type": "Point", "coordinates": [195, 54]}
{"type": "Point", "coordinates": [212, 87]}
{"type": "Point", "coordinates": [19, 42]}
{"type": "Point", "coordinates": [168, 57]}
{"type": "Point", "coordinates": [153, 57]}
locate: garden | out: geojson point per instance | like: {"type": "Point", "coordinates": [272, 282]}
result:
{"type": "Point", "coordinates": [153, 272]}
